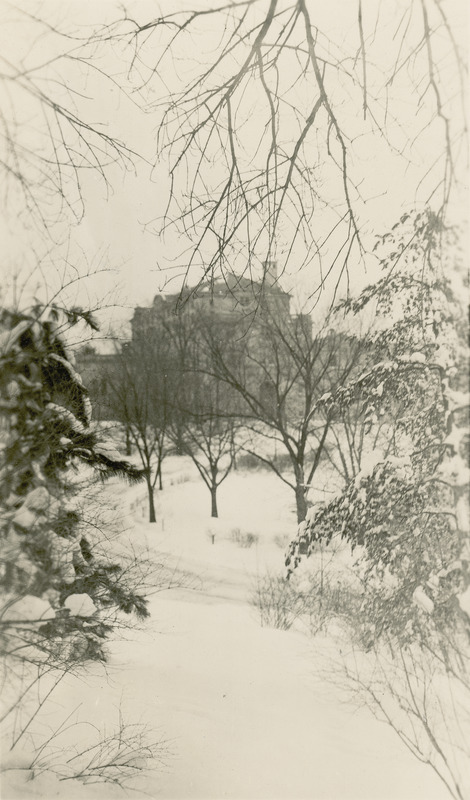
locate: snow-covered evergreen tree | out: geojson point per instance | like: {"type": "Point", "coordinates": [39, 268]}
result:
{"type": "Point", "coordinates": [57, 593]}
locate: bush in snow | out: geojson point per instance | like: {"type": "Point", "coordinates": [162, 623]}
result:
{"type": "Point", "coordinates": [406, 515]}
{"type": "Point", "coordinates": [121, 754]}
{"type": "Point", "coordinates": [243, 538]}
{"type": "Point", "coordinates": [56, 591]}
{"type": "Point", "coordinates": [277, 601]}
{"type": "Point", "coordinates": [309, 601]}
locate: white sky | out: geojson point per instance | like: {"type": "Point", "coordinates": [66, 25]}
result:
{"type": "Point", "coordinates": [113, 233]}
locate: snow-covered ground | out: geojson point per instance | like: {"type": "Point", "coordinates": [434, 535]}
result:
{"type": "Point", "coordinates": [239, 710]}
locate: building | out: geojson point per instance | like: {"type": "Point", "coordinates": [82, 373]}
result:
{"type": "Point", "coordinates": [252, 318]}
{"type": "Point", "coordinates": [233, 299]}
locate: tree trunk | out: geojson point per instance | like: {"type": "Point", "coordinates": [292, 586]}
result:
{"type": "Point", "coordinates": [214, 511]}
{"type": "Point", "coordinates": [128, 443]}
{"type": "Point", "coordinates": [301, 502]}
{"type": "Point", "coordinates": [160, 478]}
{"type": "Point", "coordinates": [179, 444]}
{"type": "Point", "coordinates": [152, 515]}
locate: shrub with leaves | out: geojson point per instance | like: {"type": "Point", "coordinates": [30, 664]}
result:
{"type": "Point", "coordinates": [406, 515]}
{"type": "Point", "coordinates": [55, 587]}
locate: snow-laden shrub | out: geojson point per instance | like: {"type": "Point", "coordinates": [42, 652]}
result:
{"type": "Point", "coordinates": [406, 513]}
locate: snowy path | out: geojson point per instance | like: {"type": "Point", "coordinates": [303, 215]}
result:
{"type": "Point", "coordinates": [238, 706]}
{"type": "Point", "coordinates": [245, 719]}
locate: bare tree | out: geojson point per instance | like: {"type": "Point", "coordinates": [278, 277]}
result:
{"type": "Point", "coordinates": [279, 371]}
{"type": "Point", "coordinates": [425, 704]}
{"type": "Point", "coordinates": [208, 436]}
{"type": "Point", "coordinates": [358, 431]}
{"type": "Point", "coordinates": [50, 134]}
{"type": "Point", "coordinates": [140, 399]}
{"type": "Point", "coordinates": [203, 425]}
{"type": "Point", "coordinates": [276, 116]}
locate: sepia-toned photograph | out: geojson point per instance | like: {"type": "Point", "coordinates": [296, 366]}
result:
{"type": "Point", "coordinates": [234, 400]}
